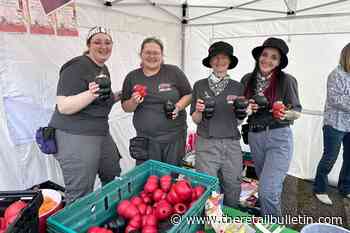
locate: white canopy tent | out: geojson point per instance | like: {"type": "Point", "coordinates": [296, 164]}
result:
{"type": "Point", "coordinates": [316, 31]}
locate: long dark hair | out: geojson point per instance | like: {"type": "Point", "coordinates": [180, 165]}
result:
{"type": "Point", "coordinates": [251, 88]}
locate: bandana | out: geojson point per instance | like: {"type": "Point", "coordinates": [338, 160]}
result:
{"type": "Point", "coordinates": [262, 83]}
{"type": "Point", "coordinates": [217, 85]}
{"type": "Point", "coordinates": [95, 30]}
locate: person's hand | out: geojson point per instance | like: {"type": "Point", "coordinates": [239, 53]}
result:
{"type": "Point", "coordinates": [253, 106]}
{"type": "Point", "coordinates": [291, 115]}
{"type": "Point", "coordinates": [117, 96]}
{"type": "Point", "coordinates": [281, 114]}
{"type": "Point", "coordinates": [141, 89]}
{"type": "Point", "coordinates": [240, 105]}
{"type": "Point", "coordinates": [136, 98]}
{"type": "Point", "coordinates": [176, 113]}
{"type": "Point", "coordinates": [200, 106]}
{"type": "Point", "coordinates": [278, 110]}
{"type": "Point", "coordinates": [93, 89]}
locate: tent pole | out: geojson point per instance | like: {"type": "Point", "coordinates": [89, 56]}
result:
{"type": "Point", "coordinates": [164, 10]}
{"type": "Point", "coordinates": [131, 4]}
{"type": "Point", "coordinates": [281, 34]}
{"type": "Point", "coordinates": [211, 13]}
{"type": "Point", "coordinates": [223, 10]}
{"type": "Point", "coordinates": [183, 34]}
{"type": "Point", "coordinates": [260, 10]}
{"type": "Point", "coordinates": [213, 7]}
{"type": "Point", "coordinates": [170, 5]}
{"type": "Point", "coordinates": [287, 5]}
{"type": "Point", "coordinates": [321, 5]}
{"type": "Point", "coordinates": [287, 18]}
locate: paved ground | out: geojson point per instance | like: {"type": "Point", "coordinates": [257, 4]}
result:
{"type": "Point", "coordinates": [298, 200]}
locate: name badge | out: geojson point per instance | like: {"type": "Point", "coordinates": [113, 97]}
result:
{"type": "Point", "coordinates": [164, 87]}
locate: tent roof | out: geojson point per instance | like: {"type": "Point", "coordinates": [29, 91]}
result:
{"type": "Point", "coordinates": [204, 12]}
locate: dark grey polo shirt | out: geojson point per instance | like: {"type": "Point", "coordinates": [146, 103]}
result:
{"type": "Point", "coordinates": [75, 77]}
{"type": "Point", "coordinates": [149, 119]}
{"type": "Point", "coordinates": [286, 91]}
{"type": "Point", "coordinates": [223, 124]}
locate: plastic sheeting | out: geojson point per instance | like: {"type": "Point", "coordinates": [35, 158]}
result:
{"type": "Point", "coordinates": [29, 68]}
{"type": "Point", "coordinates": [311, 59]}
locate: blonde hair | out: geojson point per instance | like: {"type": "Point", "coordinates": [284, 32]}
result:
{"type": "Point", "coordinates": [345, 58]}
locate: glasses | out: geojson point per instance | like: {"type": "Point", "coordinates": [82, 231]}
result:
{"type": "Point", "coordinates": [98, 43]}
{"type": "Point", "coordinates": [154, 54]}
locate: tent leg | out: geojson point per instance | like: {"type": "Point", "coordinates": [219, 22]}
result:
{"type": "Point", "coordinates": [183, 34]}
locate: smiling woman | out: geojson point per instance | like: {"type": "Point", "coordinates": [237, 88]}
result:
{"type": "Point", "coordinates": [152, 57]}
{"type": "Point", "coordinates": [84, 100]}
{"type": "Point", "coordinates": [269, 60]}
{"type": "Point", "coordinates": [99, 45]}
{"type": "Point", "coordinates": [275, 104]}
{"type": "Point", "coordinates": [218, 150]}
{"type": "Point", "coordinates": [159, 114]}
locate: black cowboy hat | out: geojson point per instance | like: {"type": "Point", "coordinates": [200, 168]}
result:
{"type": "Point", "coordinates": [273, 43]}
{"type": "Point", "coordinates": [220, 48]}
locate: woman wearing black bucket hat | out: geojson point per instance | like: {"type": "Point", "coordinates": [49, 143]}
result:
{"type": "Point", "coordinates": [274, 100]}
{"type": "Point", "coordinates": [218, 151]}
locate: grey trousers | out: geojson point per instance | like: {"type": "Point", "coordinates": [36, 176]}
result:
{"type": "Point", "coordinates": [221, 158]}
{"type": "Point", "coordinates": [272, 152]}
{"type": "Point", "coordinates": [81, 158]}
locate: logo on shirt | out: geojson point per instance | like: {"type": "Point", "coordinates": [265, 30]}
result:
{"type": "Point", "coordinates": [164, 87]}
{"type": "Point", "coordinates": [230, 99]}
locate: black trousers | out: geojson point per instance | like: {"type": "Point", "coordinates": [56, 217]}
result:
{"type": "Point", "coordinates": [171, 152]}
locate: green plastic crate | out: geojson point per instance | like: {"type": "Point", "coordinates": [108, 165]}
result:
{"type": "Point", "coordinates": [99, 207]}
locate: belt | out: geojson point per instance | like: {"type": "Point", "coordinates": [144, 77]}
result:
{"type": "Point", "coordinates": [260, 128]}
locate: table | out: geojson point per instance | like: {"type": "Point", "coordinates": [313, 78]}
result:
{"type": "Point", "coordinates": [236, 213]}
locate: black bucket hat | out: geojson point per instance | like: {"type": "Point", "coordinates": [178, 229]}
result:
{"type": "Point", "coordinates": [220, 47]}
{"type": "Point", "coordinates": [273, 43]}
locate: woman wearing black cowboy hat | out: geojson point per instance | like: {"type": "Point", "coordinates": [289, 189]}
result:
{"type": "Point", "coordinates": [275, 105]}
{"type": "Point", "coordinates": [218, 150]}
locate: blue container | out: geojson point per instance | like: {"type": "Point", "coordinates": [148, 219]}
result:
{"type": "Point", "coordinates": [323, 228]}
